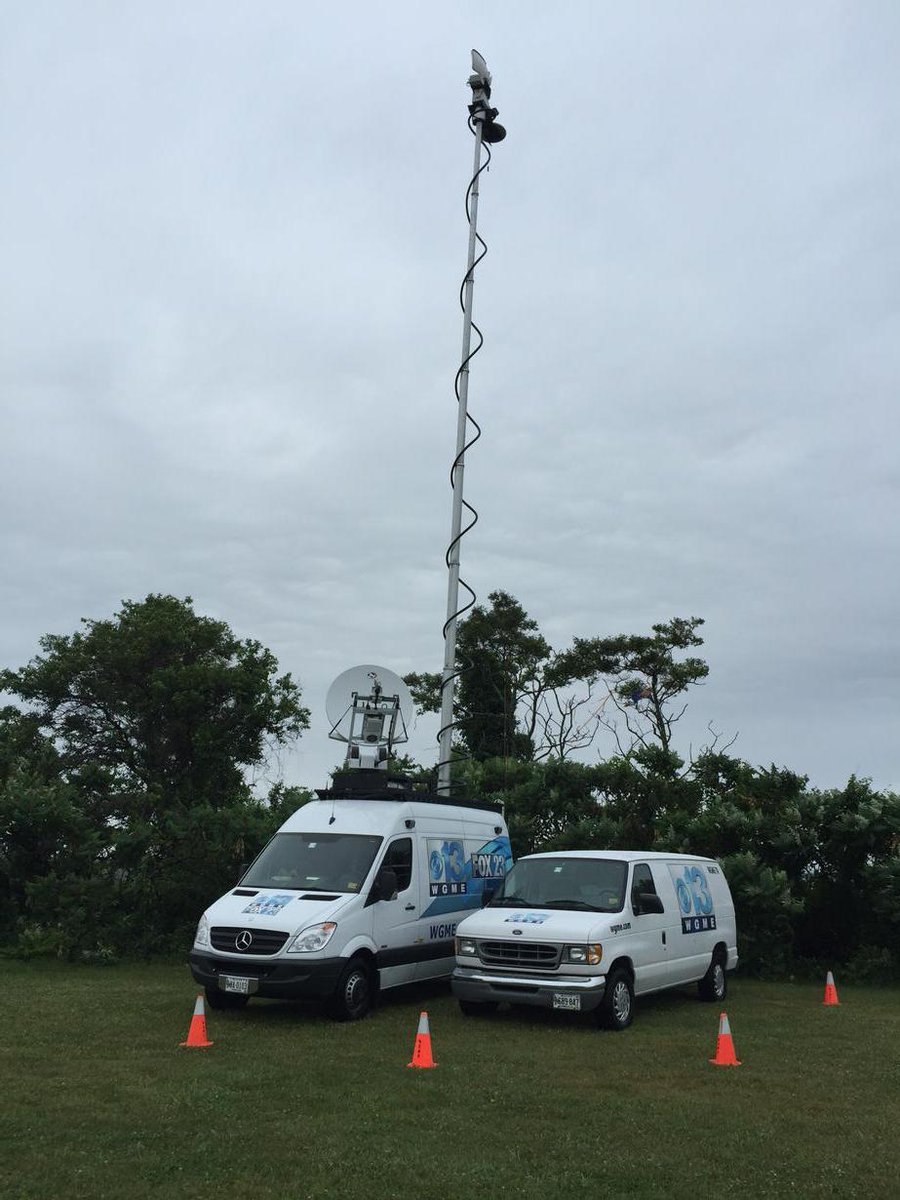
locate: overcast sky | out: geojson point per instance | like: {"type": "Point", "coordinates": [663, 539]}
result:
{"type": "Point", "coordinates": [233, 237]}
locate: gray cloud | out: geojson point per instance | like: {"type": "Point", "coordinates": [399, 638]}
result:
{"type": "Point", "coordinates": [234, 239]}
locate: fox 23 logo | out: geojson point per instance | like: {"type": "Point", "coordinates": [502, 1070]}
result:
{"type": "Point", "coordinates": [694, 899]}
{"type": "Point", "coordinates": [446, 868]}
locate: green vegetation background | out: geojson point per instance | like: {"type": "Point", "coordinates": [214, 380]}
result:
{"type": "Point", "coordinates": [127, 796]}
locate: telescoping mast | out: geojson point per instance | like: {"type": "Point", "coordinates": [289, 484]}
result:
{"type": "Point", "coordinates": [483, 124]}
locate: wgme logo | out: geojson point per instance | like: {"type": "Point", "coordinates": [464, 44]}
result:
{"type": "Point", "coordinates": [446, 868]}
{"type": "Point", "coordinates": [694, 899]}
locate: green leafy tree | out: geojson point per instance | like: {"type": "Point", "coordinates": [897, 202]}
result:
{"type": "Point", "coordinates": [647, 682]}
{"type": "Point", "coordinates": [743, 808]}
{"type": "Point", "coordinates": [500, 651]}
{"type": "Point", "coordinates": [159, 704]}
{"type": "Point", "coordinates": [750, 819]}
{"type": "Point", "coordinates": [516, 697]}
{"type": "Point", "coordinates": [499, 654]}
{"type": "Point", "coordinates": [850, 880]}
{"type": "Point", "coordinates": [124, 803]}
{"type": "Point", "coordinates": [44, 833]}
{"type": "Point", "coordinates": [543, 801]}
{"type": "Point", "coordinates": [766, 910]}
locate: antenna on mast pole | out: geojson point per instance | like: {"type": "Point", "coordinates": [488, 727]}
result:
{"type": "Point", "coordinates": [487, 131]}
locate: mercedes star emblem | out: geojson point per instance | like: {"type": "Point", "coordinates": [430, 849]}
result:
{"type": "Point", "coordinates": [243, 940]}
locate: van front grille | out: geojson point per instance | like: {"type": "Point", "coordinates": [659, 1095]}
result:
{"type": "Point", "coordinates": [234, 940]}
{"type": "Point", "coordinates": [536, 956]}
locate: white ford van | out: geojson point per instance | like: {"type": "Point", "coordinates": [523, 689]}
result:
{"type": "Point", "coordinates": [359, 891]}
{"type": "Point", "coordinates": [588, 930]}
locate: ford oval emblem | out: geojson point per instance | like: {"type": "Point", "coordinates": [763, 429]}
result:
{"type": "Point", "coordinates": [517, 933]}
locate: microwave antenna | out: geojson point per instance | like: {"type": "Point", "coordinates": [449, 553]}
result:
{"type": "Point", "coordinates": [367, 708]}
{"type": "Point", "coordinates": [487, 131]}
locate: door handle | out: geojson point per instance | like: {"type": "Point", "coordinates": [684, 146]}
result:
{"type": "Point", "coordinates": [410, 907]}
{"type": "Point", "coordinates": [664, 937]}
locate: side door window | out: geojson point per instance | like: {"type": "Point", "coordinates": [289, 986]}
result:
{"type": "Point", "coordinates": [399, 857]}
{"type": "Point", "coordinates": [642, 883]}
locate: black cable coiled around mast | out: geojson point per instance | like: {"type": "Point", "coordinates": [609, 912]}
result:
{"type": "Point", "coordinates": [472, 512]}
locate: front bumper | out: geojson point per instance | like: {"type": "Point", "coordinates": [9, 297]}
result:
{"type": "Point", "coordinates": [482, 986]}
{"type": "Point", "coordinates": [277, 979]}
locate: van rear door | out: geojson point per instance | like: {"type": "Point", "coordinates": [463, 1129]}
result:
{"type": "Point", "coordinates": [696, 934]}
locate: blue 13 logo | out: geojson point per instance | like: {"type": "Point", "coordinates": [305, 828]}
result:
{"type": "Point", "coordinates": [448, 863]}
{"type": "Point", "coordinates": [693, 893]}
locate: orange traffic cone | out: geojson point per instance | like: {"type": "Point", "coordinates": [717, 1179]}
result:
{"type": "Point", "coordinates": [422, 1049]}
{"type": "Point", "coordinates": [725, 1055]}
{"type": "Point", "coordinates": [830, 990]}
{"type": "Point", "coordinates": [197, 1032]}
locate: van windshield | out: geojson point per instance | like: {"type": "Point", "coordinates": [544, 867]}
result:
{"type": "Point", "coordinates": [588, 884]}
{"type": "Point", "coordinates": [314, 862]}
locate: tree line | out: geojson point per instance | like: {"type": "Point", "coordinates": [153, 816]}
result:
{"type": "Point", "coordinates": [127, 797]}
{"type": "Point", "coordinates": [126, 802]}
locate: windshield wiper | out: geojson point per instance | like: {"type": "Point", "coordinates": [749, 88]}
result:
{"type": "Point", "coordinates": [581, 905]}
{"type": "Point", "coordinates": [506, 901]}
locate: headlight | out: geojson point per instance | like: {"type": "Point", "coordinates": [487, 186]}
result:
{"type": "Point", "coordinates": [466, 947]}
{"type": "Point", "coordinates": [313, 938]}
{"type": "Point", "coordinates": [589, 955]}
{"type": "Point", "coordinates": [201, 937]}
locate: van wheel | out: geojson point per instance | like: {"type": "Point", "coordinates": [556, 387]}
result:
{"type": "Point", "coordinates": [224, 1000]}
{"type": "Point", "coordinates": [478, 1008]}
{"type": "Point", "coordinates": [714, 984]}
{"type": "Point", "coordinates": [355, 992]}
{"type": "Point", "coordinates": [617, 1007]}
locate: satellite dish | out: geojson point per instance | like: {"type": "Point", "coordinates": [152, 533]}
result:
{"type": "Point", "coordinates": [368, 707]}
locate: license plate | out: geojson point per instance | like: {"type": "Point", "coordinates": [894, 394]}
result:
{"type": "Point", "coordinates": [570, 1000]}
{"type": "Point", "coordinates": [234, 983]}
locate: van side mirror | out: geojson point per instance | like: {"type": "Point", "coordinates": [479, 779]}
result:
{"type": "Point", "coordinates": [646, 902]}
{"type": "Point", "coordinates": [242, 871]}
{"type": "Point", "coordinates": [487, 896]}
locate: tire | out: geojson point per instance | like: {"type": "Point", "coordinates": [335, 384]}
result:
{"type": "Point", "coordinates": [616, 1010]}
{"type": "Point", "coordinates": [355, 992]}
{"type": "Point", "coordinates": [478, 1008]}
{"type": "Point", "coordinates": [714, 984]}
{"type": "Point", "coordinates": [222, 1001]}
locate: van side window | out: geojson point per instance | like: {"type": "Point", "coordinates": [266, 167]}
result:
{"type": "Point", "coordinates": [642, 881]}
{"type": "Point", "coordinates": [399, 859]}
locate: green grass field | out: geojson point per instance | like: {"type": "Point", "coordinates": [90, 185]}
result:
{"type": "Point", "coordinates": [99, 1100]}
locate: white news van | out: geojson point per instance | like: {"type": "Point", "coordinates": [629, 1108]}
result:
{"type": "Point", "coordinates": [588, 930]}
{"type": "Point", "coordinates": [358, 891]}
